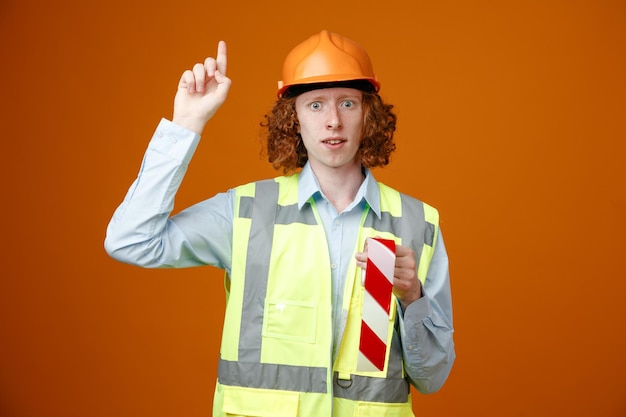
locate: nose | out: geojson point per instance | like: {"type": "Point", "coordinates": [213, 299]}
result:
{"type": "Point", "coordinates": [334, 120]}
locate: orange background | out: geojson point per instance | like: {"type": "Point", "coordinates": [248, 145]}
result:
{"type": "Point", "coordinates": [511, 122]}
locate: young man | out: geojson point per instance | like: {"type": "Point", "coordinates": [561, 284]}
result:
{"type": "Point", "coordinates": [294, 247]}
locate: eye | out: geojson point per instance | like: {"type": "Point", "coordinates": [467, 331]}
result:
{"type": "Point", "coordinates": [348, 104]}
{"type": "Point", "coordinates": [316, 105]}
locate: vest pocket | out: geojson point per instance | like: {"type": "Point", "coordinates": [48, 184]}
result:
{"type": "Point", "coordinates": [366, 409]}
{"type": "Point", "coordinates": [254, 402]}
{"type": "Point", "coordinates": [290, 320]}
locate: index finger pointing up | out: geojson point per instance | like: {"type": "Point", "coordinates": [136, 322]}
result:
{"type": "Point", "coordinates": [221, 57]}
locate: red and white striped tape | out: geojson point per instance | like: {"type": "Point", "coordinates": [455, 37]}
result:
{"type": "Point", "coordinates": [378, 282]}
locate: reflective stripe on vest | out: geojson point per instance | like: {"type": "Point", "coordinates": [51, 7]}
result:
{"type": "Point", "coordinates": [265, 212]}
{"type": "Point", "coordinates": [393, 386]}
{"type": "Point", "coordinates": [248, 371]}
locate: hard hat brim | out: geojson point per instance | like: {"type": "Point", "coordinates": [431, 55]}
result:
{"type": "Point", "coordinates": [363, 84]}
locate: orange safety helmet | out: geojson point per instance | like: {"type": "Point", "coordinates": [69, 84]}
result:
{"type": "Point", "coordinates": [327, 58]}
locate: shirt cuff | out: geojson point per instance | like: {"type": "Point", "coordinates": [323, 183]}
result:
{"type": "Point", "coordinates": [174, 140]}
{"type": "Point", "coordinates": [417, 311]}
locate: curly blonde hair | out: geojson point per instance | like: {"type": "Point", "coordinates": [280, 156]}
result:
{"type": "Point", "coordinates": [286, 151]}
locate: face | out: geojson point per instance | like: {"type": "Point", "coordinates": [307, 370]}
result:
{"type": "Point", "coordinates": [331, 125]}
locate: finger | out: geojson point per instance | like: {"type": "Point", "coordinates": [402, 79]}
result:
{"type": "Point", "coordinates": [199, 73]}
{"type": "Point", "coordinates": [187, 81]}
{"type": "Point", "coordinates": [210, 65]}
{"type": "Point", "coordinates": [222, 79]}
{"type": "Point", "coordinates": [403, 275]}
{"type": "Point", "coordinates": [221, 57]}
{"type": "Point", "coordinates": [361, 259]}
{"type": "Point", "coordinates": [405, 266]}
{"type": "Point", "coordinates": [402, 251]}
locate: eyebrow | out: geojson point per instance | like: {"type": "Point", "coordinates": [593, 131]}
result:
{"type": "Point", "coordinates": [341, 97]}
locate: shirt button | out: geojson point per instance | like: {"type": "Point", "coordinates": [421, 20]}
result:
{"type": "Point", "coordinates": [173, 140]}
{"type": "Point", "coordinates": [334, 266]}
{"type": "Point", "coordinates": [159, 134]}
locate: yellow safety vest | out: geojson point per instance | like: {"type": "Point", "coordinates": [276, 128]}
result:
{"type": "Point", "coordinates": [276, 353]}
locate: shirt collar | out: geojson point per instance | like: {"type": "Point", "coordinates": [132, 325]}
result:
{"type": "Point", "coordinates": [309, 187]}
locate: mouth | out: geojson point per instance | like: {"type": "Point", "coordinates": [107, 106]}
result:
{"type": "Point", "coordinates": [333, 141]}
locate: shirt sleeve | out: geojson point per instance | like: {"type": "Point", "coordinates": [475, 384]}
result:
{"type": "Point", "coordinates": [426, 328]}
{"type": "Point", "coordinates": [142, 231]}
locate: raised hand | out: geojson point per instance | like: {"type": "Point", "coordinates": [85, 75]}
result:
{"type": "Point", "coordinates": [201, 91]}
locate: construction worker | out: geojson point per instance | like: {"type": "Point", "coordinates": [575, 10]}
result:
{"type": "Point", "coordinates": [294, 248]}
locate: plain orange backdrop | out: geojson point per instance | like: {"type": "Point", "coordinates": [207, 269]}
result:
{"type": "Point", "coordinates": [512, 121]}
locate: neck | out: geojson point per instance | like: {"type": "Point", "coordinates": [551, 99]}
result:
{"type": "Point", "coordinates": [340, 185]}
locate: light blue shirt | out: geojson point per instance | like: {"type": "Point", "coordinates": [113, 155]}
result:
{"type": "Point", "coordinates": [142, 232]}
